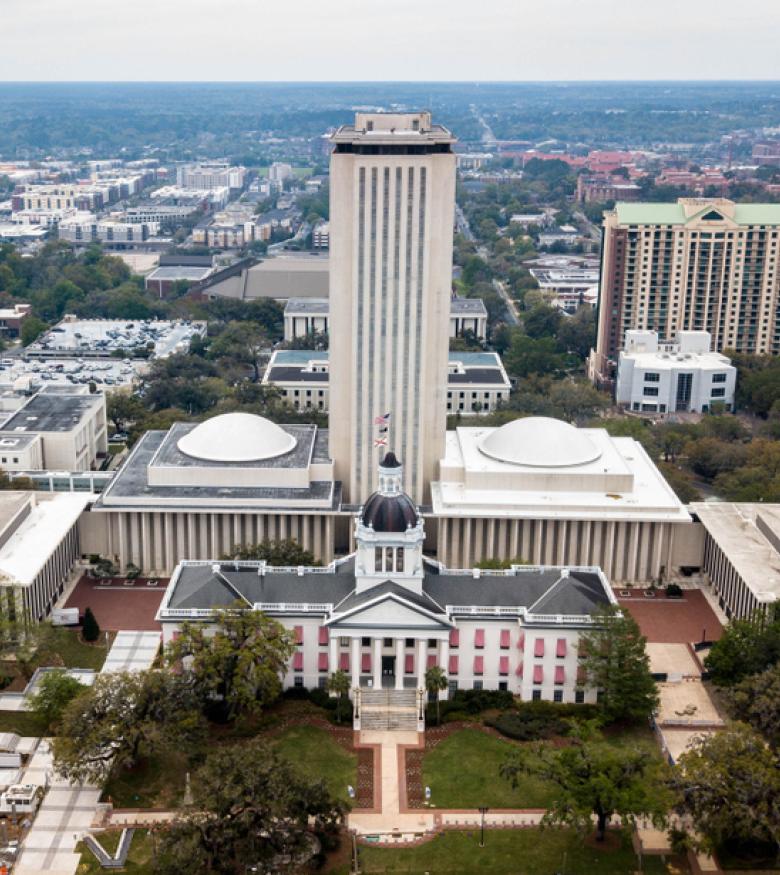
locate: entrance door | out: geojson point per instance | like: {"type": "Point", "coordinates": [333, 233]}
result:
{"type": "Point", "coordinates": [388, 671]}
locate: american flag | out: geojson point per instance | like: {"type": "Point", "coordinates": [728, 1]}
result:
{"type": "Point", "coordinates": [382, 420]}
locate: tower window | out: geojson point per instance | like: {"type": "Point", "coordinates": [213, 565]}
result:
{"type": "Point", "coordinates": [399, 559]}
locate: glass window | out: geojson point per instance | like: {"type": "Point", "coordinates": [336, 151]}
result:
{"type": "Point", "coordinates": [650, 390]}
{"type": "Point", "coordinates": [502, 685]}
{"type": "Point", "coordinates": [558, 696]}
{"type": "Point", "coordinates": [536, 695]}
{"type": "Point", "coordinates": [579, 696]}
{"type": "Point", "coordinates": [718, 378]}
{"type": "Point", "coordinates": [298, 680]}
{"type": "Point", "coordinates": [718, 393]}
{"type": "Point", "coordinates": [477, 685]}
{"type": "Point", "coordinates": [652, 377]}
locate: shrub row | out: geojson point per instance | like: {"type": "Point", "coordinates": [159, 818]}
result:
{"type": "Point", "coordinates": [535, 721]}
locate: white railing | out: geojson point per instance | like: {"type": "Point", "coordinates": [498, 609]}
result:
{"type": "Point", "coordinates": [485, 610]}
{"type": "Point", "coordinates": [298, 607]}
{"type": "Point", "coordinates": [185, 613]}
{"type": "Point", "coordinates": [561, 619]}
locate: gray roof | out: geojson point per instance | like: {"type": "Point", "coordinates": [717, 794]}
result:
{"type": "Point", "coordinates": [388, 588]}
{"type": "Point", "coordinates": [52, 412]}
{"type": "Point", "coordinates": [132, 481]}
{"type": "Point", "coordinates": [199, 586]}
{"type": "Point", "coordinates": [317, 306]}
{"type": "Point", "coordinates": [574, 592]}
{"type": "Point", "coordinates": [467, 307]}
{"type": "Point", "coordinates": [477, 375]}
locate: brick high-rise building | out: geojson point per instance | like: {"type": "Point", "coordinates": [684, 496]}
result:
{"type": "Point", "coordinates": [701, 264]}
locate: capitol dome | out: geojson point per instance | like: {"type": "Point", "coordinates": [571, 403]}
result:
{"type": "Point", "coordinates": [236, 437]}
{"type": "Point", "coordinates": [539, 442]}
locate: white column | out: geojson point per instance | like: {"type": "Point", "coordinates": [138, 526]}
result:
{"type": "Point", "coordinates": [444, 661]}
{"type": "Point", "coordinates": [399, 663]}
{"type": "Point", "coordinates": [355, 662]}
{"type": "Point", "coordinates": [376, 644]}
{"type": "Point", "coordinates": [333, 657]}
{"type": "Point", "coordinates": [422, 653]}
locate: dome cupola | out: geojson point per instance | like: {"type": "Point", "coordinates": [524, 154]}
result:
{"type": "Point", "coordinates": [389, 509]}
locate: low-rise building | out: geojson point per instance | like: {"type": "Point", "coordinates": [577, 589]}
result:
{"type": "Point", "coordinates": [304, 316]}
{"type": "Point", "coordinates": [386, 613]}
{"type": "Point", "coordinates": [163, 280]}
{"type": "Point", "coordinates": [476, 381]}
{"type": "Point", "coordinates": [200, 490]}
{"type": "Point", "coordinates": [673, 377]}
{"type": "Point", "coordinates": [605, 187]}
{"type": "Point", "coordinates": [60, 429]}
{"type": "Point", "coordinates": [468, 315]}
{"type": "Point", "coordinates": [39, 545]}
{"type": "Point", "coordinates": [76, 230]}
{"type": "Point", "coordinates": [282, 278]}
{"type": "Point", "coordinates": [11, 319]}
{"type": "Point", "coordinates": [741, 555]}
{"type": "Point", "coordinates": [214, 174]}
{"type": "Point", "coordinates": [545, 492]}
{"type": "Point", "coordinates": [320, 237]}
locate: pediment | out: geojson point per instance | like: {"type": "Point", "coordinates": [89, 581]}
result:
{"type": "Point", "coordinates": [389, 610]}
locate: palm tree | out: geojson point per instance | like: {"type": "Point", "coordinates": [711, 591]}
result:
{"type": "Point", "coordinates": [435, 682]}
{"type": "Point", "coordinates": [338, 683]}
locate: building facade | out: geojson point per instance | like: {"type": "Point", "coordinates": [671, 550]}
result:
{"type": "Point", "coordinates": [476, 381]}
{"type": "Point", "coordinates": [701, 264]}
{"type": "Point", "coordinates": [391, 227]}
{"type": "Point", "coordinates": [385, 614]}
{"type": "Point", "coordinates": [673, 377]}
{"type": "Point", "coordinates": [541, 491]}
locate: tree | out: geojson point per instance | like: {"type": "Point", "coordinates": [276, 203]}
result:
{"type": "Point", "coordinates": [55, 691]}
{"type": "Point", "coordinates": [284, 552]}
{"type": "Point", "coordinates": [241, 663]}
{"type": "Point", "coordinates": [90, 630]}
{"type": "Point", "coordinates": [435, 683]}
{"type": "Point", "coordinates": [339, 684]}
{"type": "Point", "coordinates": [615, 662]}
{"type": "Point", "coordinates": [542, 321]}
{"type": "Point", "coordinates": [243, 343]}
{"type": "Point", "coordinates": [252, 811]}
{"type": "Point", "coordinates": [124, 716]}
{"type": "Point", "coordinates": [32, 328]}
{"type": "Point", "coordinates": [593, 777]}
{"type": "Point", "coordinates": [729, 784]}
{"type": "Point", "coordinates": [123, 409]}
{"type": "Point", "coordinates": [710, 457]}
{"type": "Point", "coordinates": [756, 701]}
{"type": "Point", "coordinates": [527, 356]}
{"type": "Point", "coordinates": [745, 648]}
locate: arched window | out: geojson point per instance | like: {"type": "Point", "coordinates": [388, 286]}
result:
{"type": "Point", "coordinates": [388, 558]}
{"type": "Point", "coordinates": [378, 559]}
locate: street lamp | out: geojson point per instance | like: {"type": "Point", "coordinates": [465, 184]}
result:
{"type": "Point", "coordinates": [483, 812]}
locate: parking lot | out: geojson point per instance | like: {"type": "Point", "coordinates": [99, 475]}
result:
{"type": "Point", "coordinates": [120, 604]}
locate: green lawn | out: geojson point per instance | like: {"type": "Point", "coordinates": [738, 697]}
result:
{"type": "Point", "coordinates": [139, 860]}
{"type": "Point", "coordinates": [22, 722]}
{"type": "Point", "coordinates": [463, 772]}
{"type": "Point", "coordinates": [521, 852]}
{"type": "Point", "coordinates": [73, 652]}
{"type": "Point", "coordinates": [316, 754]}
{"type": "Point", "coordinates": [156, 782]}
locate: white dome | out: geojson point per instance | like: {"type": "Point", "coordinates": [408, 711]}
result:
{"type": "Point", "coordinates": [236, 437]}
{"type": "Point", "coordinates": [539, 442]}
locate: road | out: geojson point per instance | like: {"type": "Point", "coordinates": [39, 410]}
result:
{"type": "Point", "coordinates": [590, 229]}
{"type": "Point", "coordinates": [512, 313]}
{"type": "Point", "coordinates": [488, 137]}
{"type": "Point", "coordinates": [462, 224]}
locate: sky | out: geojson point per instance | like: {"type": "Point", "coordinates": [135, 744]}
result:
{"type": "Point", "coordinates": [390, 40]}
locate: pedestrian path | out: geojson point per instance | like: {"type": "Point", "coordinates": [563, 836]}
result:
{"type": "Point", "coordinates": [69, 810]}
{"type": "Point", "coordinates": [395, 823]}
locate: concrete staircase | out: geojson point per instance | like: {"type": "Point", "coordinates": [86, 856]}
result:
{"type": "Point", "coordinates": [388, 710]}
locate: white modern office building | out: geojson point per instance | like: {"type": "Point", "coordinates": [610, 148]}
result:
{"type": "Point", "coordinates": [304, 316]}
{"type": "Point", "coordinates": [200, 491]}
{"type": "Point", "coordinates": [682, 376]}
{"type": "Point", "coordinates": [39, 545]}
{"type": "Point", "coordinates": [391, 227]}
{"type": "Point", "coordinates": [476, 381]}
{"type": "Point", "coordinates": [385, 613]}
{"type": "Point", "coordinates": [60, 428]}
{"type": "Point", "coordinates": [540, 490]}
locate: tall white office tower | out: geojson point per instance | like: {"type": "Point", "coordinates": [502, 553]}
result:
{"type": "Point", "coordinates": [392, 202]}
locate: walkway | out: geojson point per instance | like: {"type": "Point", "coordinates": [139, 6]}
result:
{"type": "Point", "coordinates": [69, 810]}
{"type": "Point", "coordinates": [394, 822]}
